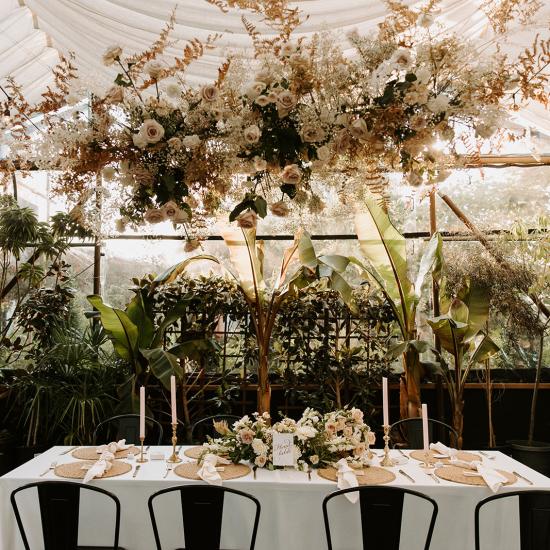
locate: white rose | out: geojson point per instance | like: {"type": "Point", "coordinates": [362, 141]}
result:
{"type": "Point", "coordinates": [173, 90]}
{"type": "Point", "coordinates": [111, 55]}
{"type": "Point", "coordinates": [280, 209]}
{"type": "Point", "coordinates": [359, 130]}
{"type": "Point", "coordinates": [154, 215]}
{"type": "Point", "coordinates": [314, 459]}
{"type": "Point", "coordinates": [305, 432]}
{"type": "Point", "coordinates": [260, 461]}
{"type": "Point", "coordinates": [402, 58]}
{"type": "Point", "coordinates": [260, 164]}
{"type": "Point", "coordinates": [154, 69]}
{"type": "Point", "coordinates": [259, 447]}
{"type": "Point", "coordinates": [252, 134]}
{"type": "Point", "coordinates": [311, 134]}
{"type": "Point", "coordinates": [151, 131]}
{"type": "Point", "coordinates": [170, 209]}
{"type": "Point", "coordinates": [439, 103]}
{"type": "Point", "coordinates": [262, 100]}
{"type": "Point", "coordinates": [288, 49]}
{"type": "Point", "coordinates": [255, 89]}
{"type": "Point", "coordinates": [210, 93]}
{"type": "Point", "coordinates": [286, 100]}
{"type": "Point", "coordinates": [174, 143]}
{"type": "Point", "coordinates": [291, 174]}
{"type": "Point", "coordinates": [139, 140]}
{"type": "Point", "coordinates": [323, 153]}
{"type": "Point", "coordinates": [108, 173]}
{"type": "Point", "coordinates": [191, 142]}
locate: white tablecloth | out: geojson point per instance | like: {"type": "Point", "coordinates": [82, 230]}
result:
{"type": "Point", "coordinates": [291, 509]}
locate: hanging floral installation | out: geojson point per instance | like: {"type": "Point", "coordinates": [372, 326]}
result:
{"type": "Point", "coordinates": [152, 148]}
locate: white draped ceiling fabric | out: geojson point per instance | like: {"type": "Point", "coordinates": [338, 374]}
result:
{"type": "Point", "coordinates": [34, 32]}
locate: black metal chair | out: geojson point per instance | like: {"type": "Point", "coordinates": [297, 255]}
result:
{"type": "Point", "coordinates": [59, 503]}
{"type": "Point", "coordinates": [534, 518]}
{"type": "Point", "coordinates": [381, 513]}
{"type": "Point", "coordinates": [408, 433]}
{"type": "Point", "coordinates": [202, 511]}
{"type": "Point", "coordinates": [205, 426]}
{"type": "Point", "coordinates": [126, 426]}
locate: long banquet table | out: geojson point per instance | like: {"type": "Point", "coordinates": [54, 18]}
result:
{"type": "Point", "coordinates": [291, 509]}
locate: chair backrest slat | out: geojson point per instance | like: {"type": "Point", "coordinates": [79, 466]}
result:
{"type": "Point", "coordinates": [202, 514]}
{"type": "Point", "coordinates": [534, 518]}
{"type": "Point", "coordinates": [126, 426]}
{"type": "Point", "coordinates": [410, 429]}
{"type": "Point", "coordinates": [381, 515]}
{"type": "Point", "coordinates": [205, 426]}
{"type": "Point", "coordinates": [59, 503]}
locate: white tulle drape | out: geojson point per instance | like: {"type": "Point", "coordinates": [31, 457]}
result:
{"type": "Point", "coordinates": [33, 32]}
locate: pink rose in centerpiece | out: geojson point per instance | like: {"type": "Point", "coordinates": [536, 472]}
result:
{"type": "Point", "coordinates": [360, 449]}
{"type": "Point", "coordinates": [291, 174]}
{"type": "Point", "coordinates": [154, 215]}
{"type": "Point", "coordinates": [330, 427]}
{"type": "Point", "coordinates": [210, 93]}
{"type": "Point", "coordinates": [247, 220]}
{"type": "Point", "coordinates": [247, 436]}
{"type": "Point", "coordinates": [260, 461]}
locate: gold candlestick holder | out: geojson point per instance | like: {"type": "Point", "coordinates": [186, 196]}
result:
{"type": "Point", "coordinates": [174, 459]}
{"type": "Point", "coordinates": [141, 458]}
{"type": "Point", "coordinates": [387, 461]}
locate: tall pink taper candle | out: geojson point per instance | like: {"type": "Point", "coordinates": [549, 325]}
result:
{"type": "Point", "coordinates": [385, 406]}
{"type": "Point", "coordinates": [142, 412]}
{"type": "Point", "coordinates": [425, 432]}
{"type": "Point", "coordinates": [173, 396]}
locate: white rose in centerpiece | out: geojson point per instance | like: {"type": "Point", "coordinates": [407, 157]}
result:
{"type": "Point", "coordinates": [247, 220]}
{"type": "Point", "coordinates": [154, 69]}
{"type": "Point", "coordinates": [359, 130]}
{"type": "Point", "coordinates": [323, 153]}
{"type": "Point", "coordinates": [170, 209]}
{"type": "Point", "coordinates": [210, 93]}
{"type": "Point", "coordinates": [260, 461]}
{"type": "Point", "coordinates": [291, 174]}
{"type": "Point", "coordinates": [305, 432]}
{"type": "Point", "coordinates": [255, 89]}
{"type": "Point", "coordinates": [439, 104]}
{"type": "Point", "coordinates": [154, 215]}
{"type": "Point", "coordinates": [111, 55]}
{"type": "Point", "coordinates": [173, 90]}
{"type": "Point", "coordinates": [174, 143]}
{"type": "Point", "coordinates": [139, 140]}
{"type": "Point", "coordinates": [246, 435]}
{"type": "Point", "coordinates": [348, 431]}
{"type": "Point", "coordinates": [252, 134]}
{"type": "Point", "coordinates": [191, 142]}
{"type": "Point", "coordinates": [259, 447]}
{"type": "Point", "coordinates": [402, 58]}
{"type": "Point", "coordinates": [357, 415]}
{"type": "Point", "coordinates": [260, 164]}
{"type": "Point", "coordinates": [151, 131]}
{"type": "Point", "coordinates": [280, 209]}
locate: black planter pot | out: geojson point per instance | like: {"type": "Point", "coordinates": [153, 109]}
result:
{"type": "Point", "coordinates": [536, 455]}
{"type": "Point", "coordinates": [505, 448]}
{"type": "Point", "coordinates": [7, 442]}
{"type": "Point", "coordinates": [24, 454]}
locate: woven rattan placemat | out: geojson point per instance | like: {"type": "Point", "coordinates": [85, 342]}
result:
{"type": "Point", "coordinates": [189, 470]}
{"type": "Point", "coordinates": [455, 473]}
{"type": "Point", "coordinates": [73, 470]}
{"type": "Point", "coordinates": [90, 453]}
{"type": "Point", "coordinates": [461, 455]}
{"type": "Point", "coordinates": [194, 452]}
{"type": "Point", "coordinates": [371, 475]}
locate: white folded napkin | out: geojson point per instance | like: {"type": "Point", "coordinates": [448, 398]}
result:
{"type": "Point", "coordinates": [493, 478]}
{"type": "Point", "coordinates": [113, 447]}
{"type": "Point", "coordinates": [99, 467]}
{"type": "Point", "coordinates": [347, 479]}
{"type": "Point", "coordinates": [208, 471]}
{"type": "Point", "coordinates": [443, 449]}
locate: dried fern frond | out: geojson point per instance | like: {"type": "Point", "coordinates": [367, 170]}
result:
{"type": "Point", "coordinates": [502, 12]}
{"type": "Point", "coordinates": [533, 71]}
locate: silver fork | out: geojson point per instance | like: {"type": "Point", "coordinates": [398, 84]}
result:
{"type": "Point", "coordinates": [486, 455]}
{"type": "Point", "coordinates": [52, 466]}
{"type": "Point", "coordinates": [169, 468]}
{"type": "Point", "coordinates": [433, 476]}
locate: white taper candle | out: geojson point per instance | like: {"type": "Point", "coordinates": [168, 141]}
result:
{"type": "Point", "coordinates": [142, 412]}
{"type": "Point", "coordinates": [425, 432]}
{"type": "Point", "coordinates": [385, 405]}
{"type": "Point", "coordinates": [173, 399]}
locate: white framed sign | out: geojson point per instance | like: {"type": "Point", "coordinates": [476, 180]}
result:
{"type": "Point", "coordinates": [283, 449]}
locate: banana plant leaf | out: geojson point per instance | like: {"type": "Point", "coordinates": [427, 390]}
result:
{"type": "Point", "coordinates": [172, 273]}
{"type": "Point", "coordinates": [122, 331]}
{"type": "Point", "coordinates": [449, 332]}
{"type": "Point", "coordinates": [140, 312]}
{"type": "Point", "coordinates": [162, 364]}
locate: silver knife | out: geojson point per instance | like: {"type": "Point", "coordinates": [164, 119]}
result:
{"type": "Point", "coordinates": [433, 476]}
{"type": "Point", "coordinates": [68, 450]}
{"type": "Point", "coordinates": [136, 470]}
{"type": "Point", "coordinates": [524, 478]}
{"type": "Point", "coordinates": [402, 453]}
{"type": "Point", "coordinates": [407, 476]}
